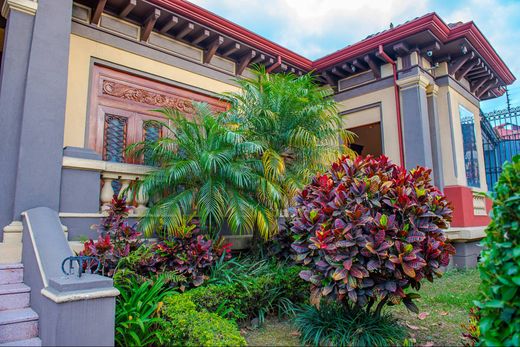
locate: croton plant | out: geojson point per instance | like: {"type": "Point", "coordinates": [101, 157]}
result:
{"type": "Point", "coordinates": [367, 230]}
{"type": "Point", "coordinates": [117, 238]}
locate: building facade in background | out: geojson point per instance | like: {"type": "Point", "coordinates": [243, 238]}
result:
{"type": "Point", "coordinates": [79, 80]}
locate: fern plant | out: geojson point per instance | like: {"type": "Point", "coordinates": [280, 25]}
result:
{"type": "Point", "coordinates": [206, 168]}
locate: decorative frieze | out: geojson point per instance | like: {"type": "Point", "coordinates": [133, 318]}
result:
{"type": "Point", "coordinates": [143, 96]}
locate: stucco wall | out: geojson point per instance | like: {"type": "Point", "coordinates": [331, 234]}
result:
{"type": "Point", "coordinates": [83, 50]}
{"type": "Point", "coordinates": [363, 110]}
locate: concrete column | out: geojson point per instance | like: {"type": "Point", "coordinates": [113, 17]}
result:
{"type": "Point", "coordinates": [41, 138]}
{"type": "Point", "coordinates": [416, 127]}
{"type": "Point", "coordinates": [435, 135]}
{"type": "Point", "coordinates": [13, 74]}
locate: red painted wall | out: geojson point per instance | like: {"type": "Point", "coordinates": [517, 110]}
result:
{"type": "Point", "coordinates": [462, 199]}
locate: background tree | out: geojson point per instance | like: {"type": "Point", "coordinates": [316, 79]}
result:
{"type": "Point", "coordinates": [207, 169]}
{"type": "Point", "coordinates": [296, 122]}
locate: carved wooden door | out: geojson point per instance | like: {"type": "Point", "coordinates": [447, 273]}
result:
{"type": "Point", "coordinates": [121, 110]}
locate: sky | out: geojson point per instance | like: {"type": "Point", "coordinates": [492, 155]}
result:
{"type": "Point", "coordinates": [314, 28]}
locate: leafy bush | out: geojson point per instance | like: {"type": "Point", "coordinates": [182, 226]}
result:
{"type": "Point", "coordinates": [500, 263]}
{"type": "Point", "coordinates": [335, 325]}
{"type": "Point", "coordinates": [367, 230]}
{"type": "Point", "coordinates": [138, 312]}
{"type": "Point", "coordinates": [116, 238]}
{"type": "Point", "coordinates": [184, 325]}
{"type": "Point", "coordinates": [184, 261]}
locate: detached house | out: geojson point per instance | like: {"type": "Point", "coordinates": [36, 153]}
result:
{"type": "Point", "coordinates": [79, 78]}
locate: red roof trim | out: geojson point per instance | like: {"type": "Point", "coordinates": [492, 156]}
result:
{"type": "Point", "coordinates": [429, 21]}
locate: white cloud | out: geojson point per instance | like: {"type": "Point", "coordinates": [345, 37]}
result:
{"type": "Point", "coordinates": [316, 27]}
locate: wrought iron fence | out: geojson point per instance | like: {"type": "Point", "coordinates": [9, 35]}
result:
{"type": "Point", "coordinates": [501, 140]}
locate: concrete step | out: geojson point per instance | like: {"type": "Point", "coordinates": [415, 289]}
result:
{"type": "Point", "coordinates": [14, 296]}
{"type": "Point", "coordinates": [11, 273]}
{"type": "Point", "coordinates": [35, 341]}
{"type": "Point", "coordinates": [15, 325]}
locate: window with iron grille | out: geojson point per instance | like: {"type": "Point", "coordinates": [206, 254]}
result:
{"type": "Point", "coordinates": [152, 132]}
{"type": "Point", "coordinates": [471, 165]}
{"type": "Point", "coordinates": [115, 138]}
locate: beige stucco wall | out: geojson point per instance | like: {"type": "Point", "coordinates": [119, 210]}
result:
{"type": "Point", "coordinates": [455, 100]}
{"type": "Point", "coordinates": [82, 50]}
{"type": "Point", "coordinates": [387, 117]}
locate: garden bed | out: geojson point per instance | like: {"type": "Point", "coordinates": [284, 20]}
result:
{"type": "Point", "coordinates": [445, 302]}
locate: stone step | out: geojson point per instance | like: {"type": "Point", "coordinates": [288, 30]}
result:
{"type": "Point", "coordinates": [11, 273]}
{"type": "Point", "coordinates": [14, 296]}
{"type": "Point", "coordinates": [35, 341]}
{"type": "Point", "coordinates": [15, 325]}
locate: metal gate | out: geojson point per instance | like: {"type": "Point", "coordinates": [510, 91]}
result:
{"type": "Point", "coordinates": [501, 140]}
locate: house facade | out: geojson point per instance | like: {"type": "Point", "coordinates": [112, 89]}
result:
{"type": "Point", "coordinates": [79, 80]}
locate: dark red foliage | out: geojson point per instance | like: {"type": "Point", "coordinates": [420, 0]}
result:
{"type": "Point", "coordinates": [368, 229]}
{"type": "Point", "coordinates": [116, 240]}
{"type": "Point", "coordinates": [190, 257]}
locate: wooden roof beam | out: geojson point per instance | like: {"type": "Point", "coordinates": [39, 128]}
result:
{"type": "Point", "coordinates": [244, 61]}
{"type": "Point", "coordinates": [275, 64]}
{"type": "Point", "coordinates": [149, 24]}
{"type": "Point", "coordinates": [258, 59]}
{"type": "Point", "coordinates": [486, 87]}
{"type": "Point", "coordinates": [467, 68]}
{"type": "Point", "coordinates": [478, 83]}
{"type": "Point", "coordinates": [212, 49]}
{"type": "Point", "coordinates": [336, 71]}
{"type": "Point", "coordinates": [373, 66]}
{"type": "Point", "coordinates": [96, 14]}
{"type": "Point", "coordinates": [359, 64]}
{"type": "Point", "coordinates": [348, 68]}
{"type": "Point", "coordinates": [201, 36]}
{"type": "Point", "coordinates": [128, 8]}
{"type": "Point", "coordinates": [173, 21]}
{"type": "Point", "coordinates": [231, 49]}
{"type": "Point", "coordinates": [401, 49]}
{"type": "Point", "coordinates": [481, 74]}
{"type": "Point", "coordinates": [329, 79]}
{"type": "Point", "coordinates": [457, 63]}
{"type": "Point", "coordinates": [188, 28]}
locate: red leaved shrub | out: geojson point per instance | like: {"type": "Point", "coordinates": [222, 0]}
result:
{"type": "Point", "coordinates": [368, 229]}
{"type": "Point", "coordinates": [117, 238]}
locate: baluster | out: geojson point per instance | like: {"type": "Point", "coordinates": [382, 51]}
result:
{"type": "Point", "coordinates": [125, 183]}
{"type": "Point", "coordinates": [142, 199]}
{"type": "Point", "coordinates": [107, 192]}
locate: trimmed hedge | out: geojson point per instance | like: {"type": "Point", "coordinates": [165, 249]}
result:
{"type": "Point", "coordinates": [184, 325]}
{"type": "Point", "coordinates": [500, 264]}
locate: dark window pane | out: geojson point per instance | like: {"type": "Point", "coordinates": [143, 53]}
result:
{"type": "Point", "coordinates": [152, 132]}
{"type": "Point", "coordinates": [467, 122]}
{"type": "Point", "coordinates": [115, 138]}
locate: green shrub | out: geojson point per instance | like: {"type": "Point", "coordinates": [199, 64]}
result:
{"type": "Point", "coordinates": [256, 289]}
{"type": "Point", "coordinates": [184, 325]}
{"type": "Point", "coordinates": [500, 263]}
{"type": "Point", "coordinates": [335, 325]}
{"type": "Point", "coordinates": [138, 309]}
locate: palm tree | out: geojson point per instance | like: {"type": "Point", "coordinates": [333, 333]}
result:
{"type": "Point", "coordinates": [206, 168]}
{"type": "Point", "coordinates": [296, 122]}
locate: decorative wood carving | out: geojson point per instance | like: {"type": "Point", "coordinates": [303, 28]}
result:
{"type": "Point", "coordinates": [143, 96]}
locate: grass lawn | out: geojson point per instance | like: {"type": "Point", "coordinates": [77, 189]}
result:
{"type": "Point", "coordinates": [444, 307]}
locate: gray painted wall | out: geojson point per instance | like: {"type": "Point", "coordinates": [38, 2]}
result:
{"type": "Point", "coordinates": [15, 57]}
{"type": "Point", "coordinates": [41, 138]}
{"type": "Point", "coordinates": [416, 128]}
